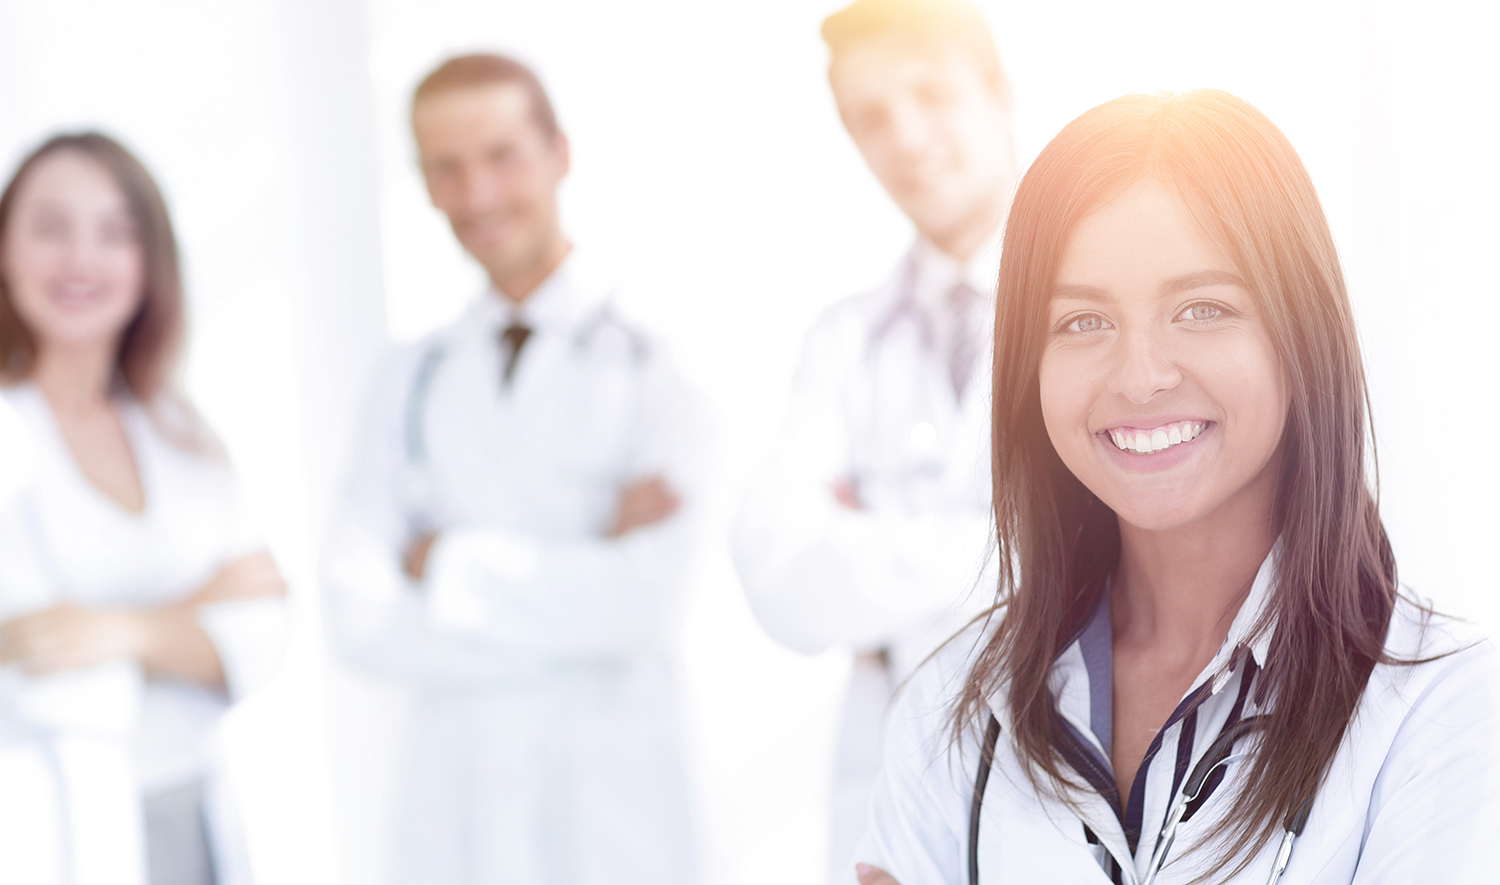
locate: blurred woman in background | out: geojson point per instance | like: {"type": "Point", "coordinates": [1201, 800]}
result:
{"type": "Point", "coordinates": [135, 603]}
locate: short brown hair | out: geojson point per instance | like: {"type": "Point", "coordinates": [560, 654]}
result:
{"type": "Point", "coordinates": [487, 69]}
{"type": "Point", "coordinates": [943, 24]}
{"type": "Point", "coordinates": [150, 345]}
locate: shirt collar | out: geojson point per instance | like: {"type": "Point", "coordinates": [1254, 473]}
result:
{"type": "Point", "coordinates": [1082, 675]}
{"type": "Point", "coordinates": [1245, 620]}
{"type": "Point", "coordinates": [937, 272]}
{"type": "Point", "coordinates": [564, 300]}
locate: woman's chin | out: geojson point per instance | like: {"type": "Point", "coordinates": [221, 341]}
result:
{"type": "Point", "coordinates": [80, 331]}
{"type": "Point", "coordinates": [1162, 516]}
{"type": "Point", "coordinates": [86, 337]}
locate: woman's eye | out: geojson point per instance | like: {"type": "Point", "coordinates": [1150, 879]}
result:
{"type": "Point", "coordinates": [1201, 311]}
{"type": "Point", "coordinates": [1089, 322]}
{"type": "Point", "coordinates": [50, 227]}
{"type": "Point", "coordinates": [117, 234]}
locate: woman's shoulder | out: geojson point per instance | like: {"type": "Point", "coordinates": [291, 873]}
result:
{"type": "Point", "coordinates": [23, 397]}
{"type": "Point", "coordinates": [925, 702]}
{"type": "Point", "coordinates": [1431, 656]}
{"type": "Point", "coordinates": [1424, 736]}
{"type": "Point", "coordinates": [1419, 631]}
{"type": "Point", "coordinates": [949, 664]}
{"type": "Point", "coordinates": [172, 419]}
{"type": "Point", "coordinates": [18, 437]}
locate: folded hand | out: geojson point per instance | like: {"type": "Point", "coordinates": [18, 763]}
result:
{"type": "Point", "coordinates": [643, 502]}
{"type": "Point", "coordinates": [68, 637]}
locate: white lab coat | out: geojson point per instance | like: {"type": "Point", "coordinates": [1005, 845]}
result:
{"type": "Point", "coordinates": [1413, 794]}
{"type": "Point", "coordinates": [86, 745]}
{"type": "Point", "coordinates": [873, 402]}
{"type": "Point", "coordinates": [544, 742]}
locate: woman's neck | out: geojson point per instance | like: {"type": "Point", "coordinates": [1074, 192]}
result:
{"type": "Point", "coordinates": [1180, 589]}
{"type": "Point", "coordinates": [75, 378]}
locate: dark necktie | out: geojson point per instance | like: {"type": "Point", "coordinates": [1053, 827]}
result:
{"type": "Point", "coordinates": [963, 348]}
{"type": "Point", "coordinates": [512, 339]}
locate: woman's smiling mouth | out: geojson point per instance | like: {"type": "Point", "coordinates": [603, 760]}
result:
{"type": "Point", "coordinates": [1149, 441]}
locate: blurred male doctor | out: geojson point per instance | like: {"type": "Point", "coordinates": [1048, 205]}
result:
{"type": "Point", "coordinates": [515, 532]}
{"type": "Point", "coordinates": [868, 526]}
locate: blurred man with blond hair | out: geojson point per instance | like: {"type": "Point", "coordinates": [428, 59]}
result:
{"type": "Point", "coordinates": [868, 526]}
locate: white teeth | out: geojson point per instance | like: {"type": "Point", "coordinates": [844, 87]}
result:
{"type": "Point", "coordinates": [1143, 442]}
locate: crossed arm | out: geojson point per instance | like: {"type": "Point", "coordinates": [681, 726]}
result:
{"type": "Point", "coordinates": [642, 502]}
{"type": "Point", "coordinates": [165, 639]}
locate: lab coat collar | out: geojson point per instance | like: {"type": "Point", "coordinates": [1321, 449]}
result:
{"type": "Point", "coordinates": [563, 301]}
{"type": "Point", "coordinates": [920, 286]}
{"type": "Point", "coordinates": [1082, 678]}
{"type": "Point", "coordinates": [937, 272]}
{"type": "Point", "coordinates": [1240, 629]}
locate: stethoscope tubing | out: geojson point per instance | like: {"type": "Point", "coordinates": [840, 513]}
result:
{"type": "Point", "coordinates": [1219, 753]}
{"type": "Point", "coordinates": [414, 439]}
{"type": "Point", "coordinates": [981, 780]}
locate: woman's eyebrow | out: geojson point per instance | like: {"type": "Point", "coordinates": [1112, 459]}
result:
{"type": "Point", "coordinates": [1201, 279]}
{"type": "Point", "coordinates": [1196, 280]}
{"type": "Point", "coordinates": [1080, 293]}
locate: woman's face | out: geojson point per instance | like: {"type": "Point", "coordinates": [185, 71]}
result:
{"type": "Point", "coordinates": [71, 259]}
{"type": "Point", "coordinates": [1160, 388]}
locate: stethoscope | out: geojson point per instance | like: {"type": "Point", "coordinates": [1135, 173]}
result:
{"type": "Point", "coordinates": [1219, 753]}
{"type": "Point", "coordinates": [416, 487]}
{"type": "Point", "coordinates": [924, 460]}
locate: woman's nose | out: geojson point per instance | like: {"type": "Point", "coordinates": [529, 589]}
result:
{"type": "Point", "coordinates": [81, 248]}
{"type": "Point", "coordinates": [1144, 366]}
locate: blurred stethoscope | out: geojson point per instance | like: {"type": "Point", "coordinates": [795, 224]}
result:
{"type": "Point", "coordinates": [1219, 753]}
{"type": "Point", "coordinates": [416, 487]}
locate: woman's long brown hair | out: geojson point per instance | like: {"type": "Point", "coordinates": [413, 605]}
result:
{"type": "Point", "coordinates": [149, 347]}
{"type": "Point", "coordinates": [1335, 583]}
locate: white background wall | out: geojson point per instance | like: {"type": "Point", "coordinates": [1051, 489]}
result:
{"type": "Point", "coordinates": [710, 170]}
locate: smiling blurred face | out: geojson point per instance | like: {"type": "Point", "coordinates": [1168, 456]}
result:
{"type": "Point", "coordinates": [494, 172]}
{"type": "Point", "coordinates": [931, 127]}
{"type": "Point", "coordinates": [71, 261]}
{"type": "Point", "coordinates": [1160, 387]}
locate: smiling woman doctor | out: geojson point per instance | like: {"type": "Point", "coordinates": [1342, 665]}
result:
{"type": "Point", "coordinates": [1201, 668]}
{"type": "Point", "coordinates": [136, 602]}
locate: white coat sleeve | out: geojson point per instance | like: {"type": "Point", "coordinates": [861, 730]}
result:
{"type": "Point", "coordinates": [249, 635]}
{"type": "Point", "coordinates": [588, 597]}
{"type": "Point", "coordinates": [819, 574]}
{"type": "Point", "coordinates": [103, 699]}
{"type": "Point", "coordinates": [64, 738]}
{"type": "Point", "coordinates": [375, 616]}
{"type": "Point", "coordinates": [1435, 808]}
{"type": "Point", "coordinates": [919, 809]}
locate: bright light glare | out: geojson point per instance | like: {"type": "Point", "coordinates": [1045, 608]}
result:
{"type": "Point", "coordinates": [711, 172]}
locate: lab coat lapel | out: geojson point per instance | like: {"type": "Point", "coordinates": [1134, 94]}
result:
{"type": "Point", "coordinates": [1023, 841]}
